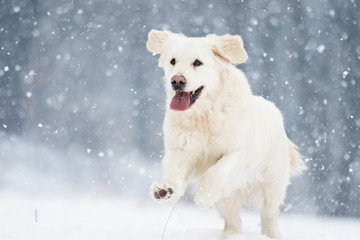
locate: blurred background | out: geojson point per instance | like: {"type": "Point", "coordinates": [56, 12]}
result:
{"type": "Point", "coordinates": [82, 101]}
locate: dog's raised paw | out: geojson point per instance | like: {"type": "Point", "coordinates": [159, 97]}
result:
{"type": "Point", "coordinates": [162, 192]}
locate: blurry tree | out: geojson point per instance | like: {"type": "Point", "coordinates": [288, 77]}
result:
{"type": "Point", "coordinates": [17, 20]}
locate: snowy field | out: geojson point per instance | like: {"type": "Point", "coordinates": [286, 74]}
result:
{"type": "Point", "coordinates": [84, 217]}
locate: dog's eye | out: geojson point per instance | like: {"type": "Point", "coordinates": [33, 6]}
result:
{"type": "Point", "coordinates": [197, 63]}
{"type": "Point", "coordinates": [173, 61]}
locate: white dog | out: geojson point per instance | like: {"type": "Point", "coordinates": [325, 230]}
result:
{"type": "Point", "coordinates": [218, 133]}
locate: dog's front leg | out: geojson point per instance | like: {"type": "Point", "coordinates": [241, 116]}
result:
{"type": "Point", "coordinates": [220, 180]}
{"type": "Point", "coordinates": [177, 168]}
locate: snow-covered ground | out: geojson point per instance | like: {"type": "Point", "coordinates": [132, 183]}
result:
{"type": "Point", "coordinates": [88, 217]}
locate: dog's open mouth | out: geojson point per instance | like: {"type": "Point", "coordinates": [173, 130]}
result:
{"type": "Point", "coordinates": [183, 100]}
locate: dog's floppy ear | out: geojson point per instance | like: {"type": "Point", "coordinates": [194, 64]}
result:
{"type": "Point", "coordinates": [229, 47]}
{"type": "Point", "coordinates": [156, 41]}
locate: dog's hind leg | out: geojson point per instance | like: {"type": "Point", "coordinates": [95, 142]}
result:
{"type": "Point", "coordinates": [269, 222]}
{"type": "Point", "coordinates": [273, 197]}
{"type": "Point", "coordinates": [228, 209]}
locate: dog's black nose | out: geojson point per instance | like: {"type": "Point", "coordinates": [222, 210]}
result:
{"type": "Point", "coordinates": [178, 82]}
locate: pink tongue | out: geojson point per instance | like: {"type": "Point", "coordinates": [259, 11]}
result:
{"type": "Point", "coordinates": [180, 101]}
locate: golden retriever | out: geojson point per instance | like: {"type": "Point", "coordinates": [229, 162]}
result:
{"type": "Point", "coordinates": [218, 133]}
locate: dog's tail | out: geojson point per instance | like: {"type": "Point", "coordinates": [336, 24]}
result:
{"type": "Point", "coordinates": [297, 165]}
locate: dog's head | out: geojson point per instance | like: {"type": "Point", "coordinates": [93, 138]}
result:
{"type": "Point", "coordinates": [192, 65]}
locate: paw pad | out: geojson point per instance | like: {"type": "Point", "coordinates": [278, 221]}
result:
{"type": "Point", "coordinates": [162, 193]}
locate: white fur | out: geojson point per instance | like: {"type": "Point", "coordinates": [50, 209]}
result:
{"type": "Point", "coordinates": [232, 142]}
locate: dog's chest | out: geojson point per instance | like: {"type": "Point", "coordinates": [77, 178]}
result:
{"type": "Point", "coordinates": [193, 134]}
